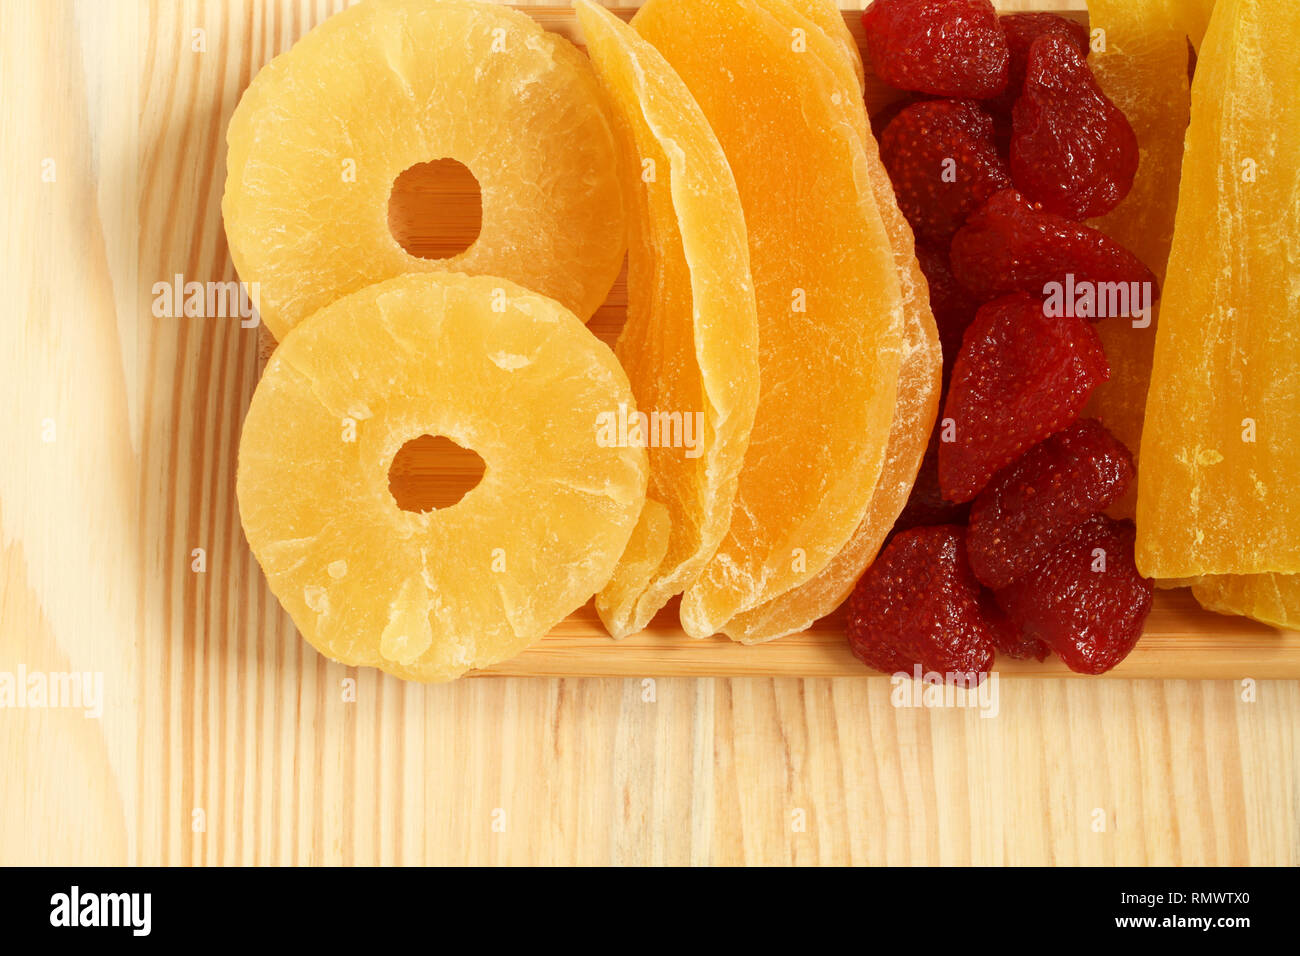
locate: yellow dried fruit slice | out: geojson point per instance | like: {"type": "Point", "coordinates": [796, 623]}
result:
{"type": "Point", "coordinates": [690, 345]}
{"type": "Point", "coordinates": [324, 129]}
{"type": "Point", "coordinates": [914, 415]}
{"type": "Point", "coordinates": [1270, 598]}
{"type": "Point", "coordinates": [1144, 71]}
{"type": "Point", "coordinates": [1221, 441]}
{"type": "Point", "coordinates": [828, 18]}
{"type": "Point", "coordinates": [1193, 16]}
{"type": "Point", "coordinates": [497, 369]}
{"type": "Point", "coordinates": [829, 303]}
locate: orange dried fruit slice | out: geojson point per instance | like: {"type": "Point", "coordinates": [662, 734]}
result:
{"type": "Point", "coordinates": [1221, 440]}
{"type": "Point", "coordinates": [1144, 71]}
{"type": "Point", "coordinates": [828, 18]}
{"type": "Point", "coordinates": [497, 369]}
{"type": "Point", "coordinates": [325, 129]}
{"type": "Point", "coordinates": [914, 414]}
{"type": "Point", "coordinates": [1193, 17]}
{"type": "Point", "coordinates": [829, 302]}
{"type": "Point", "coordinates": [1270, 598]}
{"type": "Point", "coordinates": [690, 345]}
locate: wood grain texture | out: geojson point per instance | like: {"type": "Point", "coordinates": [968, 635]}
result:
{"type": "Point", "coordinates": [224, 739]}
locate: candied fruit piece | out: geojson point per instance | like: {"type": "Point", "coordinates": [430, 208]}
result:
{"type": "Point", "coordinates": [927, 505]}
{"type": "Point", "coordinates": [504, 372]}
{"type": "Point", "coordinates": [954, 308]}
{"type": "Point", "coordinates": [1071, 148]}
{"type": "Point", "coordinates": [1011, 245]}
{"type": "Point", "coordinates": [1008, 639]}
{"type": "Point", "coordinates": [919, 379]}
{"type": "Point", "coordinates": [1268, 598]}
{"type": "Point", "coordinates": [690, 293]}
{"type": "Point", "coordinates": [792, 124]}
{"type": "Point", "coordinates": [1221, 442]}
{"type": "Point", "coordinates": [1086, 599]}
{"type": "Point", "coordinates": [1021, 30]}
{"type": "Point", "coordinates": [826, 16]}
{"type": "Point", "coordinates": [1119, 402]}
{"type": "Point", "coordinates": [325, 128]}
{"type": "Point", "coordinates": [1033, 503]}
{"type": "Point", "coordinates": [940, 47]}
{"type": "Point", "coordinates": [919, 603]}
{"type": "Point", "coordinates": [943, 163]}
{"type": "Point", "coordinates": [1144, 71]}
{"type": "Point", "coordinates": [1020, 376]}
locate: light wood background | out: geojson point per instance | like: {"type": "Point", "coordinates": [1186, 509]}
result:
{"type": "Point", "coordinates": [225, 739]}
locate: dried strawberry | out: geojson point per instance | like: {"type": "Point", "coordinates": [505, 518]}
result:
{"type": "Point", "coordinates": [1019, 377]}
{"type": "Point", "coordinates": [1007, 638]}
{"type": "Point", "coordinates": [953, 307]}
{"type": "Point", "coordinates": [1086, 599]}
{"type": "Point", "coordinates": [1021, 30]}
{"type": "Point", "coordinates": [926, 504]}
{"type": "Point", "coordinates": [943, 163]}
{"type": "Point", "coordinates": [919, 603]}
{"type": "Point", "coordinates": [884, 115]}
{"type": "Point", "coordinates": [940, 47]}
{"type": "Point", "coordinates": [1017, 646]}
{"type": "Point", "coordinates": [1072, 149]}
{"type": "Point", "coordinates": [1032, 504]}
{"type": "Point", "coordinates": [1011, 245]}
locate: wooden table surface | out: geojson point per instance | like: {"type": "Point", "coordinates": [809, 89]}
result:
{"type": "Point", "coordinates": [225, 740]}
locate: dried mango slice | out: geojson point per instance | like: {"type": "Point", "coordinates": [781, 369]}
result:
{"type": "Point", "coordinates": [1193, 16]}
{"type": "Point", "coordinates": [1271, 598]}
{"type": "Point", "coordinates": [324, 129]}
{"type": "Point", "coordinates": [499, 370]}
{"type": "Point", "coordinates": [1221, 440]}
{"type": "Point", "coordinates": [829, 302]}
{"type": "Point", "coordinates": [914, 415]}
{"type": "Point", "coordinates": [828, 18]}
{"type": "Point", "coordinates": [1144, 71]}
{"type": "Point", "coordinates": [690, 345]}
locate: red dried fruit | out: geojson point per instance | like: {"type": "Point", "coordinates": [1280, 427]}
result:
{"type": "Point", "coordinates": [1019, 647]}
{"type": "Point", "coordinates": [1086, 599]}
{"type": "Point", "coordinates": [1019, 377]}
{"type": "Point", "coordinates": [1031, 505]}
{"type": "Point", "coordinates": [940, 47]}
{"type": "Point", "coordinates": [953, 307]}
{"type": "Point", "coordinates": [1072, 149]}
{"type": "Point", "coordinates": [919, 603]}
{"type": "Point", "coordinates": [884, 115]}
{"type": "Point", "coordinates": [943, 163]}
{"type": "Point", "coordinates": [1011, 245]}
{"type": "Point", "coordinates": [1021, 30]}
{"type": "Point", "coordinates": [926, 504]}
{"type": "Point", "coordinates": [1007, 638]}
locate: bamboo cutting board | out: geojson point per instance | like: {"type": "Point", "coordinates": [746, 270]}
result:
{"type": "Point", "coordinates": [434, 213]}
{"type": "Point", "coordinates": [226, 740]}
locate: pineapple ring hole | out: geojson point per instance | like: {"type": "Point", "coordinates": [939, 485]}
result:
{"type": "Point", "coordinates": [435, 210]}
{"type": "Point", "coordinates": [433, 472]}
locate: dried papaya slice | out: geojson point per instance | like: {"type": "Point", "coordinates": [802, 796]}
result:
{"type": "Point", "coordinates": [1193, 16]}
{"type": "Point", "coordinates": [499, 370]}
{"type": "Point", "coordinates": [826, 15]}
{"type": "Point", "coordinates": [324, 130]}
{"type": "Point", "coordinates": [914, 414]}
{"type": "Point", "coordinates": [1143, 69]}
{"type": "Point", "coordinates": [827, 289]}
{"type": "Point", "coordinates": [1270, 598]}
{"type": "Point", "coordinates": [690, 345]}
{"type": "Point", "coordinates": [1221, 439]}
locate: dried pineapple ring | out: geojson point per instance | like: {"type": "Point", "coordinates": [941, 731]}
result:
{"type": "Point", "coordinates": [497, 369]}
{"type": "Point", "coordinates": [323, 131]}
